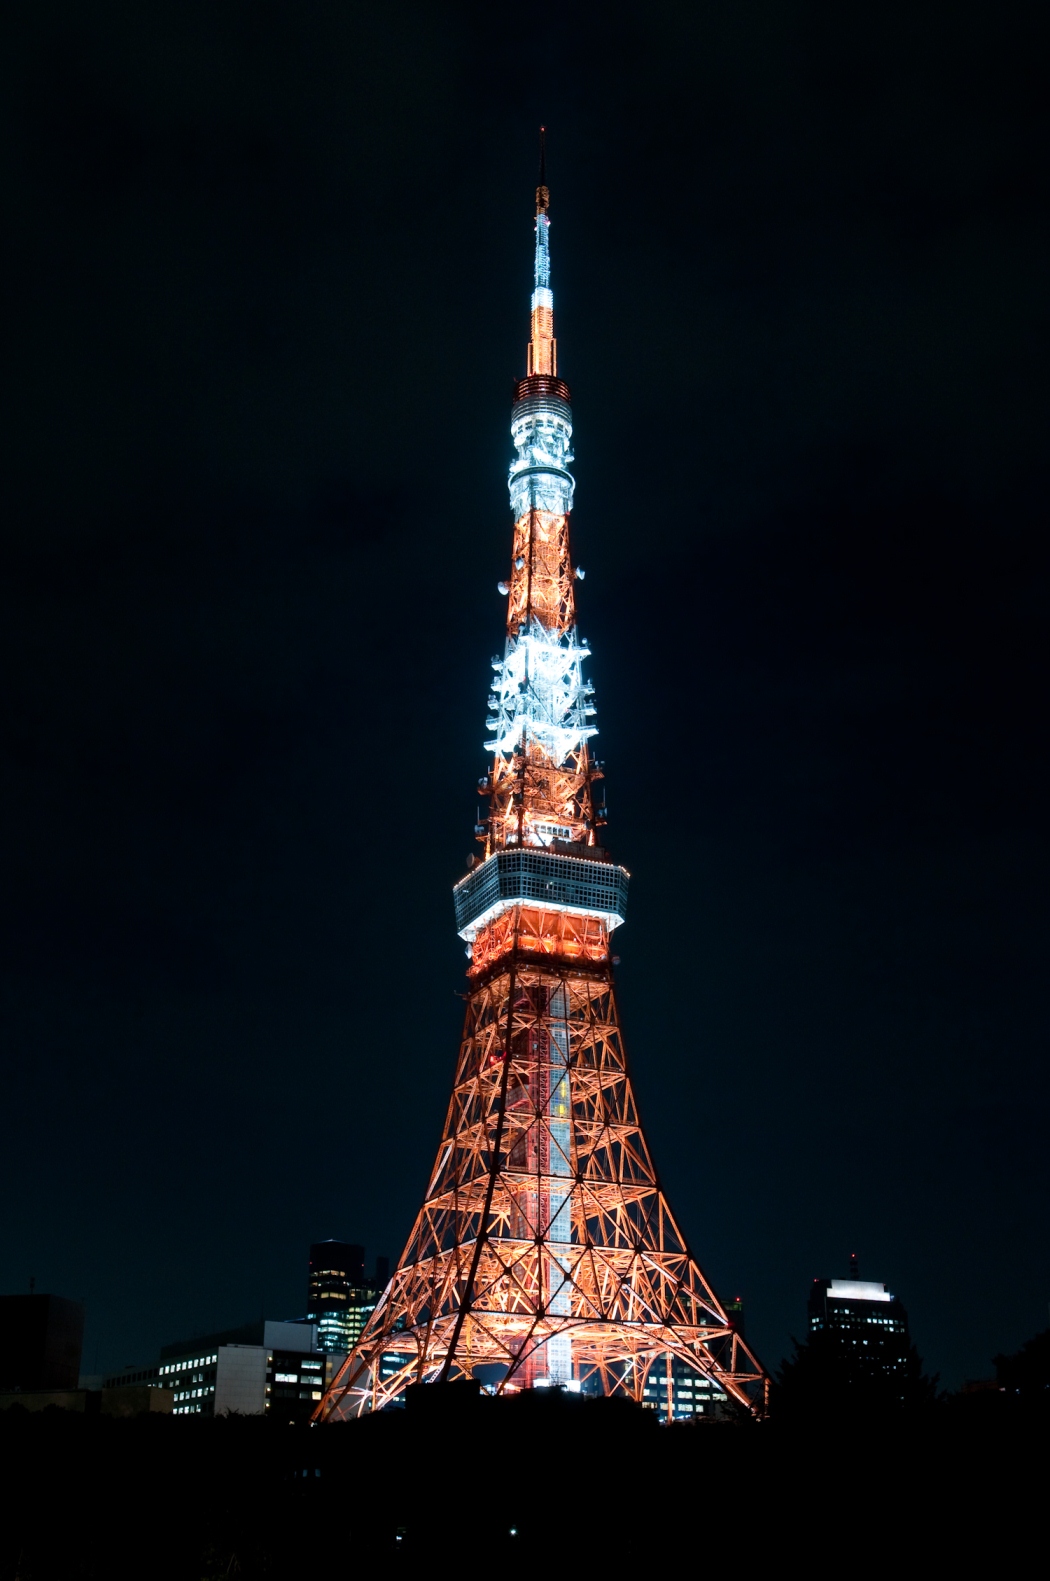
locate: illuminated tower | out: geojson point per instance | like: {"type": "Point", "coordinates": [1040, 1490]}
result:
{"type": "Point", "coordinates": [545, 1251]}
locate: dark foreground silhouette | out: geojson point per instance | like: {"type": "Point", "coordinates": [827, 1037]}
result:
{"type": "Point", "coordinates": [502, 1487]}
{"type": "Point", "coordinates": [825, 1378]}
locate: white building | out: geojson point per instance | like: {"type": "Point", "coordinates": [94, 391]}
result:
{"type": "Point", "coordinates": [262, 1369]}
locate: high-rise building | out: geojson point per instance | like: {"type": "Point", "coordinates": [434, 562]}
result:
{"type": "Point", "coordinates": [340, 1295]}
{"type": "Point", "coordinates": [863, 1318]}
{"type": "Point", "coordinates": [545, 1252]}
{"type": "Point", "coordinates": [336, 1269]}
{"type": "Point", "coordinates": [41, 1338]}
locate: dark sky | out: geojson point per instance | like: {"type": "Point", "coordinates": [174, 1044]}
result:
{"type": "Point", "coordinates": [267, 285]}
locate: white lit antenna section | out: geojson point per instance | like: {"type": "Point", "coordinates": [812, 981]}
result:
{"type": "Point", "coordinates": [541, 696]}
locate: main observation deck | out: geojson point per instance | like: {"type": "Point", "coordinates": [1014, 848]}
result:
{"type": "Point", "coordinates": [534, 876]}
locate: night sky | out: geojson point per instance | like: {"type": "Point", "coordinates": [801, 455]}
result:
{"type": "Point", "coordinates": [267, 286]}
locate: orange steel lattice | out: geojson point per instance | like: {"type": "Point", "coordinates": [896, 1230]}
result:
{"type": "Point", "coordinates": [545, 1250]}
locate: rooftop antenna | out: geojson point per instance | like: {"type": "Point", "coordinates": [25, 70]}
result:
{"type": "Point", "coordinates": [853, 1265]}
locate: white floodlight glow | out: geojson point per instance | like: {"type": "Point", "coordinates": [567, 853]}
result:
{"type": "Point", "coordinates": [858, 1290]}
{"type": "Point", "coordinates": [541, 696]}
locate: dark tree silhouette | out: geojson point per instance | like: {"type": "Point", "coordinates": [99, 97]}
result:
{"type": "Point", "coordinates": [1027, 1372]}
{"type": "Point", "coordinates": [829, 1376]}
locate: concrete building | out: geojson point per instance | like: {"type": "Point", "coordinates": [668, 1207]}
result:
{"type": "Point", "coordinates": [261, 1369]}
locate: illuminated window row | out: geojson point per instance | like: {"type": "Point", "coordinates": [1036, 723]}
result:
{"type": "Point", "coordinates": [186, 1366]}
{"type": "Point", "coordinates": [196, 1394]}
{"type": "Point", "coordinates": [513, 877]}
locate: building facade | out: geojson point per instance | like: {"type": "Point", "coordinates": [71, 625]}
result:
{"type": "Point", "coordinates": [262, 1369]}
{"type": "Point", "coordinates": [680, 1394]}
{"type": "Point", "coordinates": [341, 1297]}
{"type": "Point", "coordinates": [864, 1318]}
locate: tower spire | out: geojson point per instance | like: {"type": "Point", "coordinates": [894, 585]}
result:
{"type": "Point", "coordinates": [543, 349]}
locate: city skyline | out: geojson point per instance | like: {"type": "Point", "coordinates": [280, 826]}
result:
{"type": "Point", "coordinates": [267, 303]}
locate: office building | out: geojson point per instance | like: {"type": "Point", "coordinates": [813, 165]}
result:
{"type": "Point", "coordinates": [680, 1394]}
{"type": "Point", "coordinates": [337, 1268]}
{"type": "Point", "coordinates": [340, 1296]}
{"type": "Point", "coordinates": [865, 1319]}
{"type": "Point", "coordinates": [260, 1369]}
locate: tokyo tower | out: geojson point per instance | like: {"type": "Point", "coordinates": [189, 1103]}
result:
{"type": "Point", "coordinates": [545, 1252]}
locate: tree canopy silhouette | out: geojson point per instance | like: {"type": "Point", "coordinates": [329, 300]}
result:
{"type": "Point", "coordinates": [830, 1375]}
{"type": "Point", "coordinates": [1026, 1373]}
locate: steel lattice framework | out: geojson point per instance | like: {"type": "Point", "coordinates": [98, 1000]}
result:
{"type": "Point", "coordinates": [545, 1251]}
